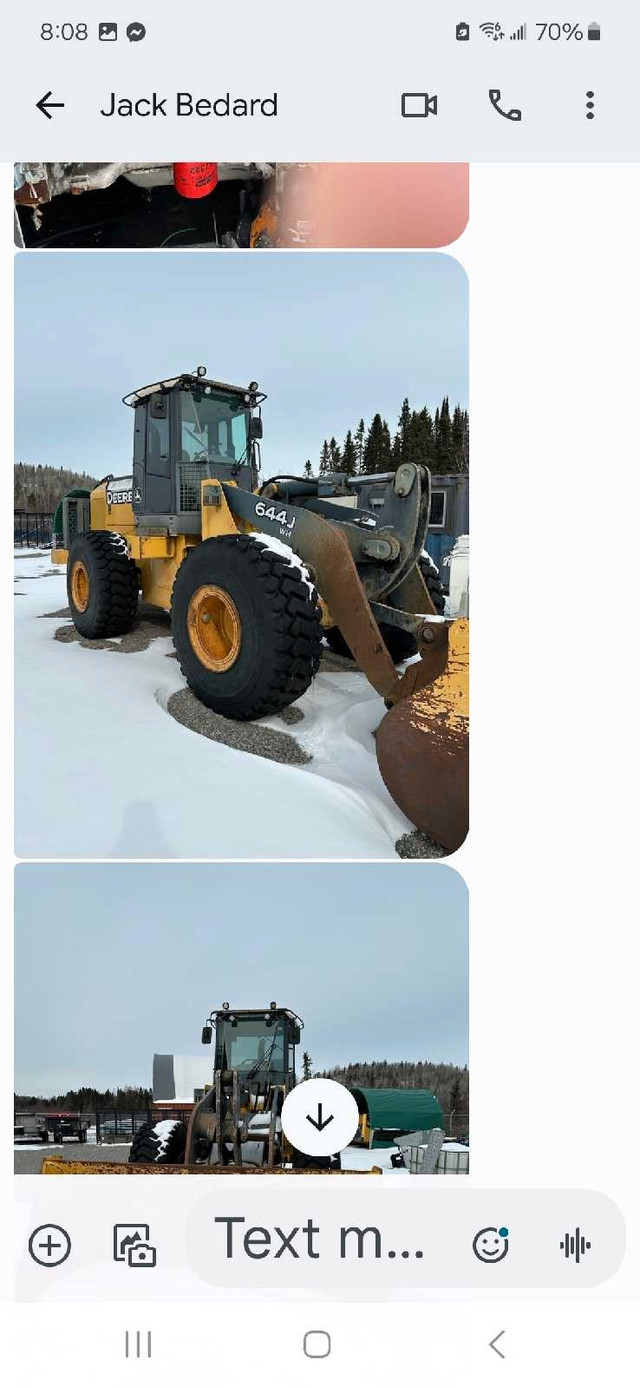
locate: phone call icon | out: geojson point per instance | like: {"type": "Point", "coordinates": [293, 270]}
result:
{"type": "Point", "coordinates": [495, 97]}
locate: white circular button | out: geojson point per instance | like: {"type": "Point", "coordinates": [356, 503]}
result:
{"type": "Point", "coordinates": [319, 1117]}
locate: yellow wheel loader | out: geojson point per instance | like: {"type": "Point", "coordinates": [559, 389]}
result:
{"type": "Point", "coordinates": [235, 1126]}
{"type": "Point", "coordinates": [237, 1121]}
{"type": "Point", "coordinates": [254, 573]}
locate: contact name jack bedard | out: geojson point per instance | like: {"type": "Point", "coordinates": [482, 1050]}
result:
{"type": "Point", "coordinates": [185, 104]}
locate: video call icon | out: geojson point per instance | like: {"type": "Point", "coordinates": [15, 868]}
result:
{"type": "Point", "coordinates": [419, 104]}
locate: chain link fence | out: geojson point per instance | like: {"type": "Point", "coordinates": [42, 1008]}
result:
{"type": "Point", "coordinates": [119, 1125]}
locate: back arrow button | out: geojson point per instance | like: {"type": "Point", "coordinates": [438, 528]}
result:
{"type": "Point", "coordinates": [46, 106]}
{"type": "Point", "coordinates": [493, 1344]}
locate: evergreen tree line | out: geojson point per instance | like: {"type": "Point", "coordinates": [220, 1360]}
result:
{"type": "Point", "coordinates": [449, 1083]}
{"type": "Point", "coordinates": [86, 1100]}
{"type": "Point", "coordinates": [440, 440]}
{"type": "Point", "coordinates": [40, 488]}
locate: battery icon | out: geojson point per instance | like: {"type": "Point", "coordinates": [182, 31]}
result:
{"type": "Point", "coordinates": [593, 33]}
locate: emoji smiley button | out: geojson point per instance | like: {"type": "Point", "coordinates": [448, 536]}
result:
{"type": "Point", "coordinates": [491, 1245]}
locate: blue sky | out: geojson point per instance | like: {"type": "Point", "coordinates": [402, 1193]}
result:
{"type": "Point", "coordinates": [116, 961]}
{"type": "Point", "coordinates": [330, 336]}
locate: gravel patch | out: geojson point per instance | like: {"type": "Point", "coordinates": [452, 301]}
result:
{"type": "Point", "coordinates": [291, 715]}
{"type": "Point", "coordinates": [29, 1163]}
{"type": "Point", "coordinates": [244, 737]}
{"type": "Point", "coordinates": [336, 664]}
{"type": "Point", "coordinates": [150, 624]}
{"type": "Point", "coordinates": [418, 845]}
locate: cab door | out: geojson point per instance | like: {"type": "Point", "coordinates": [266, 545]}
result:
{"type": "Point", "coordinates": [152, 480]}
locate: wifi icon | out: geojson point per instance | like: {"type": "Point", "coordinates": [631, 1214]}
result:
{"type": "Point", "coordinates": [492, 30]}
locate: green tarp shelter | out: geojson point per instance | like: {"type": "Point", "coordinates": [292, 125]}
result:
{"type": "Point", "coordinates": [390, 1112]}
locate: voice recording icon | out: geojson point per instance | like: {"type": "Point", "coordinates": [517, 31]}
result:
{"type": "Point", "coordinates": [575, 1245]}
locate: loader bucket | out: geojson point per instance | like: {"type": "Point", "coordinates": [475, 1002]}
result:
{"type": "Point", "coordinates": [422, 748]}
{"type": "Point", "coordinates": [57, 1166]}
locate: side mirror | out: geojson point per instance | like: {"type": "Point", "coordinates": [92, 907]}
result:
{"type": "Point", "coordinates": [255, 427]}
{"type": "Point", "coordinates": [295, 1036]}
{"type": "Point", "coordinates": [207, 1033]}
{"type": "Point", "coordinates": [158, 406]}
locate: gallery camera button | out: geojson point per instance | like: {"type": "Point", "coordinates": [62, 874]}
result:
{"type": "Point", "coordinates": [49, 1245]}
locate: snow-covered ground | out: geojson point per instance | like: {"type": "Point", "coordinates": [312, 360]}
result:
{"type": "Point", "coordinates": [365, 1158]}
{"type": "Point", "coordinates": [102, 770]}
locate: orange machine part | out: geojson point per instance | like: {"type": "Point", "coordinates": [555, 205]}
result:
{"type": "Point", "coordinates": [195, 180]}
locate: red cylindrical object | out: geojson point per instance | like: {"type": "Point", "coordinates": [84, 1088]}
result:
{"type": "Point", "coordinates": [195, 180]}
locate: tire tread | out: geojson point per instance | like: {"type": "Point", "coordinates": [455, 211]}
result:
{"type": "Point", "coordinates": [114, 580]}
{"type": "Point", "coordinates": [294, 636]}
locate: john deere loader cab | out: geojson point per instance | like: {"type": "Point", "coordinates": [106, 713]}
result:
{"type": "Point", "coordinates": [187, 429]}
{"type": "Point", "coordinates": [236, 1123]}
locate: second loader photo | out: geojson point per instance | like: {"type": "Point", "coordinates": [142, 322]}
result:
{"type": "Point", "coordinates": [320, 1059]}
{"type": "Point", "coordinates": [300, 561]}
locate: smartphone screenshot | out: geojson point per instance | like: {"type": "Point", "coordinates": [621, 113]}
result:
{"type": "Point", "coordinates": [320, 364]}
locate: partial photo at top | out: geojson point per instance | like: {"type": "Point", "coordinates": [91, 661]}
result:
{"type": "Point", "coordinates": [241, 549]}
{"type": "Point", "coordinates": [257, 204]}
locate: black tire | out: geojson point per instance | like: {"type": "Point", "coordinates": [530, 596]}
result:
{"type": "Point", "coordinates": [400, 644]}
{"type": "Point", "coordinates": [431, 576]}
{"type": "Point", "coordinates": [112, 582]}
{"type": "Point", "coordinates": [301, 1161]}
{"type": "Point", "coordinates": [337, 643]}
{"type": "Point", "coordinates": [151, 1147]}
{"type": "Point", "coordinates": [277, 619]}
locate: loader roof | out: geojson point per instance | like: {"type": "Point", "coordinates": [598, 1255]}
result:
{"type": "Point", "coordinates": [190, 378]}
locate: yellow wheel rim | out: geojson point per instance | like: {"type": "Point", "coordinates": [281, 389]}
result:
{"type": "Point", "coordinates": [80, 586]}
{"type": "Point", "coordinates": [215, 629]}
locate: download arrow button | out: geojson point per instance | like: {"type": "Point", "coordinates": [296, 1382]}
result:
{"type": "Point", "coordinates": [319, 1123]}
{"type": "Point", "coordinates": [320, 1117]}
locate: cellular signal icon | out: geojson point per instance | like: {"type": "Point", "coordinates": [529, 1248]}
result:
{"type": "Point", "coordinates": [519, 34]}
{"type": "Point", "coordinates": [575, 1245]}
